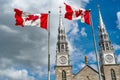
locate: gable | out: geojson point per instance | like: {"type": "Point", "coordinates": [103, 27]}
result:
{"type": "Point", "coordinates": [86, 73]}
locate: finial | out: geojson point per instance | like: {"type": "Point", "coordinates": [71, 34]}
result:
{"type": "Point", "coordinates": [49, 12]}
{"type": "Point", "coordinates": [100, 18]}
{"type": "Point", "coordinates": [60, 9]}
{"type": "Point", "coordinates": [60, 16]}
{"type": "Point", "coordinates": [86, 60]}
{"type": "Point", "coordinates": [98, 6]}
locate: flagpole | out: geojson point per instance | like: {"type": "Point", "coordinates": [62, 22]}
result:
{"type": "Point", "coordinates": [49, 46]}
{"type": "Point", "coordinates": [95, 48]}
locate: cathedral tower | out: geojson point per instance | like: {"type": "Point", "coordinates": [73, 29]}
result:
{"type": "Point", "coordinates": [63, 67]}
{"type": "Point", "coordinates": [109, 66]}
{"type": "Point", "coordinates": [106, 49]}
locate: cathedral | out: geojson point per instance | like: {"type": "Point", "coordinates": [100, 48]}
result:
{"type": "Point", "coordinates": [109, 68]}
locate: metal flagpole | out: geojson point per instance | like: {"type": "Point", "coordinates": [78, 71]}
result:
{"type": "Point", "coordinates": [97, 55]}
{"type": "Point", "coordinates": [49, 45]}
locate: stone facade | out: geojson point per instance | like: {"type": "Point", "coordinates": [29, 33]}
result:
{"type": "Point", "coordinates": [87, 73]}
{"type": "Point", "coordinates": [109, 68]}
{"type": "Point", "coordinates": [107, 71]}
{"type": "Point", "coordinates": [67, 69]}
{"type": "Point", "coordinates": [63, 68]}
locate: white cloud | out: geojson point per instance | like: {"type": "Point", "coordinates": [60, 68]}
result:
{"type": "Point", "coordinates": [26, 6]}
{"type": "Point", "coordinates": [77, 55]}
{"type": "Point", "coordinates": [91, 57]}
{"type": "Point", "coordinates": [42, 71]}
{"type": "Point", "coordinates": [118, 22]}
{"type": "Point", "coordinates": [94, 66]}
{"type": "Point", "coordinates": [7, 29]}
{"type": "Point", "coordinates": [73, 32]}
{"type": "Point", "coordinates": [74, 29]}
{"type": "Point", "coordinates": [118, 58]}
{"type": "Point", "coordinates": [13, 74]}
{"type": "Point", "coordinates": [116, 47]}
{"type": "Point", "coordinates": [29, 47]}
{"type": "Point", "coordinates": [82, 32]}
{"type": "Point", "coordinates": [79, 3]}
{"type": "Point", "coordinates": [81, 65]}
{"type": "Point", "coordinates": [5, 62]}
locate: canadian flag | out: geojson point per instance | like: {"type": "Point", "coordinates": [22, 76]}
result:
{"type": "Point", "coordinates": [75, 14]}
{"type": "Point", "coordinates": [27, 19]}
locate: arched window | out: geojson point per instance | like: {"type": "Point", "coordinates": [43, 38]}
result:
{"type": "Point", "coordinates": [113, 76]}
{"type": "Point", "coordinates": [63, 75]}
{"type": "Point", "coordinates": [62, 37]}
{"type": "Point", "coordinates": [107, 47]}
{"type": "Point", "coordinates": [103, 47]}
{"type": "Point", "coordinates": [61, 31]}
{"type": "Point", "coordinates": [62, 46]}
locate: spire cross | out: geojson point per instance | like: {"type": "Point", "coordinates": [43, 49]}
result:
{"type": "Point", "coordinates": [98, 6]}
{"type": "Point", "coordinates": [60, 16]}
{"type": "Point", "coordinates": [60, 9]}
{"type": "Point", "coordinates": [100, 18]}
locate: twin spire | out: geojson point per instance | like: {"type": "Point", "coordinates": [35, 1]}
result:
{"type": "Point", "coordinates": [104, 43]}
{"type": "Point", "coordinates": [100, 18]}
{"type": "Point", "coordinates": [60, 17]}
{"type": "Point", "coordinates": [106, 48]}
{"type": "Point", "coordinates": [62, 51]}
{"type": "Point", "coordinates": [61, 29]}
{"type": "Point", "coordinates": [62, 45]}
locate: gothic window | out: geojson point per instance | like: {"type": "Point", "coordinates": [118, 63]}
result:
{"type": "Point", "coordinates": [63, 75]}
{"type": "Point", "coordinates": [113, 76]}
{"type": "Point", "coordinates": [103, 47]}
{"type": "Point", "coordinates": [101, 36]}
{"type": "Point", "coordinates": [107, 47]}
{"type": "Point", "coordinates": [103, 30]}
{"type": "Point", "coordinates": [100, 30]}
{"type": "Point", "coordinates": [61, 31]}
{"type": "Point", "coordinates": [62, 37]}
{"type": "Point", "coordinates": [58, 37]}
{"type": "Point", "coordinates": [62, 46]}
{"type": "Point", "coordinates": [105, 36]}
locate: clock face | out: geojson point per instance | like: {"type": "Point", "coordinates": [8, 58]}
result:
{"type": "Point", "coordinates": [62, 59]}
{"type": "Point", "coordinates": [109, 58]}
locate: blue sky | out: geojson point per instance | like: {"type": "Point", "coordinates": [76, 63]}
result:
{"type": "Point", "coordinates": [23, 51]}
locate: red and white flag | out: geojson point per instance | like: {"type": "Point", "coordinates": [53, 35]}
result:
{"type": "Point", "coordinates": [27, 19]}
{"type": "Point", "coordinates": [76, 14]}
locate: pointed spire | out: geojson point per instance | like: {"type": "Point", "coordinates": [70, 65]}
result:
{"type": "Point", "coordinates": [104, 42]}
{"type": "Point", "coordinates": [101, 24]}
{"type": "Point", "coordinates": [60, 17]}
{"type": "Point", "coordinates": [62, 43]}
{"type": "Point", "coordinates": [100, 18]}
{"type": "Point", "coordinates": [61, 27]}
{"type": "Point", "coordinates": [105, 45]}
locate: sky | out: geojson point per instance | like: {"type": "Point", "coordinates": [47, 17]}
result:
{"type": "Point", "coordinates": [23, 51]}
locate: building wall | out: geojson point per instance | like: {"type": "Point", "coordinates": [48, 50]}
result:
{"type": "Point", "coordinates": [107, 71]}
{"type": "Point", "coordinates": [59, 70]}
{"type": "Point", "coordinates": [86, 74]}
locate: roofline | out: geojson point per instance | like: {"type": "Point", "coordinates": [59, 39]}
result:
{"type": "Point", "coordinates": [83, 68]}
{"type": "Point", "coordinates": [111, 65]}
